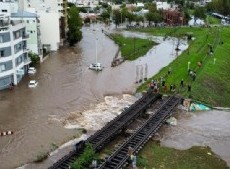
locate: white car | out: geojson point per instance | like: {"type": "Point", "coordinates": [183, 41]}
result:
{"type": "Point", "coordinates": [32, 84]}
{"type": "Point", "coordinates": [32, 70]}
{"type": "Point", "coordinates": [96, 66]}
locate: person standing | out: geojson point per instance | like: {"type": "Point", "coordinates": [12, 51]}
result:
{"type": "Point", "coordinates": [182, 83]}
{"type": "Point", "coordinates": [169, 70]}
{"type": "Point", "coordinates": [134, 162]}
{"type": "Point", "coordinates": [194, 76]}
{"type": "Point", "coordinates": [189, 88]}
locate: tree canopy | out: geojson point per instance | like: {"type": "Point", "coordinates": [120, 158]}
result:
{"type": "Point", "coordinates": [200, 13]}
{"type": "Point", "coordinates": [74, 33]}
{"type": "Point", "coordinates": [220, 6]}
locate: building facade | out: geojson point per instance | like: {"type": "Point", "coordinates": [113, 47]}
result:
{"type": "Point", "coordinates": [32, 29]}
{"type": "Point", "coordinates": [14, 61]}
{"type": "Point", "coordinates": [49, 6]}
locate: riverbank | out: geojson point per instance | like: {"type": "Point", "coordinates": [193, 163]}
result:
{"type": "Point", "coordinates": [153, 155]}
{"type": "Point", "coordinates": [210, 47]}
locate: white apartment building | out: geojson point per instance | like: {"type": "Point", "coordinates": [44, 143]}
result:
{"type": "Point", "coordinates": [43, 5]}
{"type": "Point", "coordinates": [14, 59]}
{"type": "Point", "coordinates": [51, 14]}
{"type": "Point", "coordinates": [163, 5]}
{"type": "Point", "coordinates": [8, 6]}
{"type": "Point", "coordinates": [33, 30]}
{"type": "Point", "coordinates": [50, 32]}
{"type": "Point", "coordinates": [87, 3]}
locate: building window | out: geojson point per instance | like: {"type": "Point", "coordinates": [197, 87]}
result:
{"type": "Point", "coordinates": [1, 39]}
{"type": "Point", "coordinates": [4, 10]}
{"type": "Point", "coordinates": [17, 35]}
{"type": "Point", "coordinates": [2, 53]}
{"type": "Point", "coordinates": [2, 68]}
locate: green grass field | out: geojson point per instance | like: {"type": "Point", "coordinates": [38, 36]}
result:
{"type": "Point", "coordinates": [212, 20]}
{"type": "Point", "coordinates": [212, 81]}
{"type": "Point", "coordinates": [157, 157]}
{"type": "Point", "coordinates": [132, 48]}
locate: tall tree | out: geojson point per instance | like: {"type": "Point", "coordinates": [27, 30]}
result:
{"type": "Point", "coordinates": [74, 33]}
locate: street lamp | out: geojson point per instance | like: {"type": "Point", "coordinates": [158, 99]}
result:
{"type": "Point", "coordinates": [134, 45]}
{"type": "Point", "coordinates": [188, 65]}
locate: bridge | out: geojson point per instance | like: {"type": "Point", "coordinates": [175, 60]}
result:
{"type": "Point", "coordinates": [103, 136]}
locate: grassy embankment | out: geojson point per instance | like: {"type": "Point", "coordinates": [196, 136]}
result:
{"type": "Point", "coordinates": [132, 48]}
{"type": "Point", "coordinates": [155, 156]}
{"type": "Point", "coordinates": [212, 20]}
{"type": "Point", "coordinates": [212, 81]}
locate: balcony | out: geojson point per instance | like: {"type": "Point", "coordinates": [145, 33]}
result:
{"type": "Point", "coordinates": [25, 50]}
{"type": "Point", "coordinates": [25, 36]}
{"type": "Point", "coordinates": [4, 25]}
{"type": "Point", "coordinates": [27, 61]}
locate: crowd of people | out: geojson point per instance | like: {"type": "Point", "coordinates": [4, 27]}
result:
{"type": "Point", "coordinates": [161, 86]}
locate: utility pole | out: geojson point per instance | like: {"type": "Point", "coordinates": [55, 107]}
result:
{"type": "Point", "coordinates": [134, 45]}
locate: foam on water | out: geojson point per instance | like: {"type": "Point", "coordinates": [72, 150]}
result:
{"type": "Point", "coordinates": [98, 115]}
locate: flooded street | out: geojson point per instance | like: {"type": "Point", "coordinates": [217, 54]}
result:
{"type": "Point", "coordinates": [209, 128]}
{"type": "Point", "coordinates": [49, 114]}
{"type": "Point", "coordinates": [65, 85]}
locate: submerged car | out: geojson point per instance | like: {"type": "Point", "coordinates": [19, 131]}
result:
{"type": "Point", "coordinates": [32, 70]}
{"type": "Point", "coordinates": [32, 84]}
{"type": "Point", "coordinates": [96, 66]}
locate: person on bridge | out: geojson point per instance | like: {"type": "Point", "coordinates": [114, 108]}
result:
{"type": "Point", "coordinates": [134, 161]}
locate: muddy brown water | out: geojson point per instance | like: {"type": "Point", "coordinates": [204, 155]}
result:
{"type": "Point", "coordinates": [65, 85]}
{"type": "Point", "coordinates": [208, 128]}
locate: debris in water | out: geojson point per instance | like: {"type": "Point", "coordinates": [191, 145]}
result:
{"type": "Point", "coordinates": [172, 121]}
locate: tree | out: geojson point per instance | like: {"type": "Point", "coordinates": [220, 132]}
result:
{"type": "Point", "coordinates": [153, 16]}
{"type": "Point", "coordinates": [139, 19]}
{"type": "Point", "coordinates": [34, 58]}
{"type": "Point", "coordinates": [105, 16]}
{"type": "Point", "coordinates": [117, 17]}
{"type": "Point", "coordinates": [186, 16]}
{"type": "Point", "coordinates": [149, 17]}
{"type": "Point", "coordinates": [151, 7]}
{"type": "Point", "coordinates": [200, 13]}
{"type": "Point", "coordinates": [219, 6]}
{"type": "Point", "coordinates": [74, 34]}
{"type": "Point", "coordinates": [130, 17]}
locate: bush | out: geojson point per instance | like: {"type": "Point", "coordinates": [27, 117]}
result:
{"type": "Point", "coordinates": [34, 58]}
{"type": "Point", "coordinates": [85, 159]}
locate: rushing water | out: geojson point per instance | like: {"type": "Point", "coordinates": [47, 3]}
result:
{"type": "Point", "coordinates": [42, 116]}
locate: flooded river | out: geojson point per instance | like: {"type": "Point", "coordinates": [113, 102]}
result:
{"type": "Point", "coordinates": [49, 114]}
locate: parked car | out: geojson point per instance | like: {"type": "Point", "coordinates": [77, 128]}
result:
{"type": "Point", "coordinates": [96, 66]}
{"type": "Point", "coordinates": [32, 84]}
{"type": "Point", "coordinates": [32, 70]}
